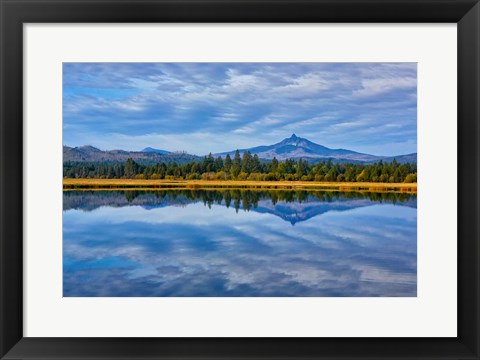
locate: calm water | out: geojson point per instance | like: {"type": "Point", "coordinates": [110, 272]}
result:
{"type": "Point", "coordinates": [239, 243]}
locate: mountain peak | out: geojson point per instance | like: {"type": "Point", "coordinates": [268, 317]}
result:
{"type": "Point", "coordinates": [293, 140]}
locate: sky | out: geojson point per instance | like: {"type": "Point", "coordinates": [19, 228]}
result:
{"type": "Point", "coordinates": [216, 107]}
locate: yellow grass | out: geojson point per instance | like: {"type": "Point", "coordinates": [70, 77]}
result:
{"type": "Point", "coordinates": [132, 184]}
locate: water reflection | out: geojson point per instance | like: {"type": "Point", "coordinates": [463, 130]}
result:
{"type": "Point", "coordinates": [239, 243]}
{"type": "Point", "coordinates": [292, 206]}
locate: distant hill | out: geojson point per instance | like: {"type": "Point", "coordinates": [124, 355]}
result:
{"type": "Point", "coordinates": [91, 154]}
{"type": "Point", "coordinates": [296, 147]}
{"type": "Point", "coordinates": [402, 159]}
{"type": "Point", "coordinates": [157, 151]}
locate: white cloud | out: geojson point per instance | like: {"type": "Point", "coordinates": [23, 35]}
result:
{"type": "Point", "coordinates": [372, 87]}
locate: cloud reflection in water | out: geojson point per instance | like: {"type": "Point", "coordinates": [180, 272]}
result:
{"type": "Point", "coordinates": [184, 246]}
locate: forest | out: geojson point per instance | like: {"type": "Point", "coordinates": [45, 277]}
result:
{"type": "Point", "coordinates": [246, 167]}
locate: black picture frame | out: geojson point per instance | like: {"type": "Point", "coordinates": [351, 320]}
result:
{"type": "Point", "coordinates": [14, 13]}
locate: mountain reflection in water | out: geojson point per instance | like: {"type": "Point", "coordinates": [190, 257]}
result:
{"type": "Point", "coordinates": [239, 243]}
{"type": "Point", "coordinates": [290, 205]}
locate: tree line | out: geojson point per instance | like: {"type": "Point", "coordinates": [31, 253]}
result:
{"type": "Point", "coordinates": [246, 167]}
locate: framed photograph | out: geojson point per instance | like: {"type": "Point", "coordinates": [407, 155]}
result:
{"type": "Point", "coordinates": [274, 210]}
{"type": "Point", "coordinates": [239, 179]}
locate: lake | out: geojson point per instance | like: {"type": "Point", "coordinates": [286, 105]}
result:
{"type": "Point", "coordinates": [205, 243]}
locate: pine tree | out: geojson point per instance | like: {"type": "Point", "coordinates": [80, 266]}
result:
{"type": "Point", "coordinates": [247, 162]}
{"type": "Point", "coordinates": [274, 164]}
{"type": "Point", "coordinates": [218, 164]}
{"type": "Point", "coordinates": [237, 164]}
{"type": "Point", "coordinates": [227, 165]}
{"type": "Point", "coordinates": [256, 165]}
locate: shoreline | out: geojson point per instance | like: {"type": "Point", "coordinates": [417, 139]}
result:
{"type": "Point", "coordinates": [134, 184]}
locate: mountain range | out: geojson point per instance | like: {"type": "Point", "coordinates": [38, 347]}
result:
{"type": "Point", "coordinates": [89, 153]}
{"type": "Point", "coordinates": [296, 147]}
{"type": "Point", "coordinates": [293, 147]}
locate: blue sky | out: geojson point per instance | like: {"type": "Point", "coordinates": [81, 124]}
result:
{"type": "Point", "coordinates": [215, 107]}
